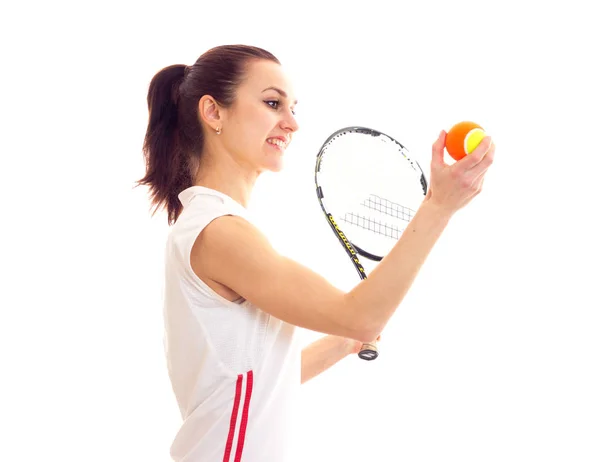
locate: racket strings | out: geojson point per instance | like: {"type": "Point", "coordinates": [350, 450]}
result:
{"type": "Point", "coordinates": [374, 226]}
{"type": "Point", "coordinates": [389, 208]}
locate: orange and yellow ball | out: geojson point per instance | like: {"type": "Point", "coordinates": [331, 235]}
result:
{"type": "Point", "coordinates": [463, 138]}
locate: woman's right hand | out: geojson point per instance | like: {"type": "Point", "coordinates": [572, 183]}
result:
{"type": "Point", "coordinates": [454, 186]}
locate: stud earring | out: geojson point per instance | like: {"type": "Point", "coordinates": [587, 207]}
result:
{"type": "Point", "coordinates": [218, 130]}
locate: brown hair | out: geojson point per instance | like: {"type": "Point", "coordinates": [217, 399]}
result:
{"type": "Point", "coordinates": [174, 138]}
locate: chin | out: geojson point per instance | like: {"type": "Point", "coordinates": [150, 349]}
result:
{"type": "Point", "coordinates": [273, 163]}
{"type": "Point", "coordinates": [275, 166]}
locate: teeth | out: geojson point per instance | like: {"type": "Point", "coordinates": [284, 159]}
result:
{"type": "Point", "coordinates": [277, 142]}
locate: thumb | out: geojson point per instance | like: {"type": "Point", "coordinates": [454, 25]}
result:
{"type": "Point", "coordinates": [437, 150]}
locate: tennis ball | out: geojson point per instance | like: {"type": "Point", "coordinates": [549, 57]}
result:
{"type": "Point", "coordinates": [463, 138]}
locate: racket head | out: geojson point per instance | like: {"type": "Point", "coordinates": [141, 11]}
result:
{"type": "Point", "coordinates": [369, 187]}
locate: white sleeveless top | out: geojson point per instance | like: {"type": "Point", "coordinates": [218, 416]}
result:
{"type": "Point", "coordinates": [234, 369]}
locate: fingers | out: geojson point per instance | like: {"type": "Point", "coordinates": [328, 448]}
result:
{"type": "Point", "coordinates": [473, 179]}
{"type": "Point", "coordinates": [488, 157]}
{"type": "Point", "coordinates": [483, 164]}
{"type": "Point", "coordinates": [479, 155]}
{"type": "Point", "coordinates": [437, 150]}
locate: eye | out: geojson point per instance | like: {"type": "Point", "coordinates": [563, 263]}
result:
{"type": "Point", "coordinates": [273, 103]}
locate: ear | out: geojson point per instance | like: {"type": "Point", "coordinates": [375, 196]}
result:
{"type": "Point", "coordinates": [210, 112]}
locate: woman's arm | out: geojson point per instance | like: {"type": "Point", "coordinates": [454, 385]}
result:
{"type": "Point", "coordinates": [232, 252]}
{"type": "Point", "coordinates": [319, 356]}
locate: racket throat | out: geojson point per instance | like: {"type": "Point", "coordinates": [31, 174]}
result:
{"type": "Point", "coordinates": [364, 253]}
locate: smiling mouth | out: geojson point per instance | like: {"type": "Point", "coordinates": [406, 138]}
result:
{"type": "Point", "coordinates": [277, 142]}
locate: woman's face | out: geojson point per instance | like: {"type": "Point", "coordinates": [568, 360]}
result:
{"type": "Point", "coordinates": [259, 125]}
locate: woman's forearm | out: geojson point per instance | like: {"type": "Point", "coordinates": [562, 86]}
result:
{"type": "Point", "coordinates": [375, 299]}
{"type": "Point", "coordinates": [319, 356]}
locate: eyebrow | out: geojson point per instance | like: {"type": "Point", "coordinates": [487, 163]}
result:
{"type": "Point", "coordinates": [280, 91]}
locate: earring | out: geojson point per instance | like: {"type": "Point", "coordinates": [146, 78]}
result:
{"type": "Point", "coordinates": [218, 130]}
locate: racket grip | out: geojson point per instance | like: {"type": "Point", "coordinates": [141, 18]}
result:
{"type": "Point", "coordinates": [369, 351]}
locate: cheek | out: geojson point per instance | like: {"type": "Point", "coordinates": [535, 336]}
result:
{"type": "Point", "coordinates": [257, 126]}
{"type": "Point", "coordinates": [243, 136]}
{"type": "Point", "coordinates": [248, 142]}
{"type": "Point", "coordinates": [249, 132]}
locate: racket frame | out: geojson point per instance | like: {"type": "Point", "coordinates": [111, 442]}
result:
{"type": "Point", "coordinates": [369, 351]}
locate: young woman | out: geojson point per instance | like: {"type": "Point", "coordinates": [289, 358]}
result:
{"type": "Point", "coordinates": [232, 302]}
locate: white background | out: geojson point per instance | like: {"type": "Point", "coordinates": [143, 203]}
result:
{"type": "Point", "coordinates": [493, 356]}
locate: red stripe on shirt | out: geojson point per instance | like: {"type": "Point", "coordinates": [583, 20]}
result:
{"type": "Point", "coordinates": [232, 422]}
{"type": "Point", "coordinates": [242, 435]}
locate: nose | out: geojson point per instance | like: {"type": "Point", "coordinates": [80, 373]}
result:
{"type": "Point", "coordinates": [289, 122]}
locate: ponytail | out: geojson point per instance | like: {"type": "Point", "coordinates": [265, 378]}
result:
{"type": "Point", "coordinates": [167, 172]}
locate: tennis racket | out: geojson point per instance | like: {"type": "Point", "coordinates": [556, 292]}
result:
{"type": "Point", "coordinates": [369, 189]}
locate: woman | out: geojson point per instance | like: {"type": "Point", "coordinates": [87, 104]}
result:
{"type": "Point", "coordinates": [232, 303]}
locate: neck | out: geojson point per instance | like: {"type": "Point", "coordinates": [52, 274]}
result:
{"type": "Point", "coordinates": [227, 177]}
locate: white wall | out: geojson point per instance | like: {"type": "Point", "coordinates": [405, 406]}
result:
{"type": "Point", "coordinates": [494, 354]}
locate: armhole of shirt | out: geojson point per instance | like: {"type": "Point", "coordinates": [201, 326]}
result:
{"type": "Point", "coordinates": [197, 280]}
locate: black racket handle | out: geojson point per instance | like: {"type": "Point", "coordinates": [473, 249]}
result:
{"type": "Point", "coordinates": [369, 351]}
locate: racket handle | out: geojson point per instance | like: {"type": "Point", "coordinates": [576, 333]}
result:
{"type": "Point", "coordinates": [369, 351]}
